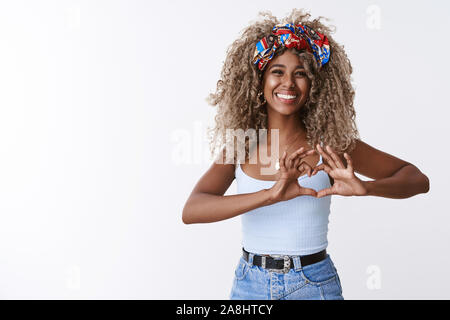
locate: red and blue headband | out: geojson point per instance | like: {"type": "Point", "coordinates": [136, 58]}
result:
{"type": "Point", "coordinates": [292, 36]}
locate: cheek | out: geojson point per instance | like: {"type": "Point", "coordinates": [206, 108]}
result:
{"type": "Point", "coordinates": [270, 84]}
{"type": "Point", "coordinates": [303, 84]}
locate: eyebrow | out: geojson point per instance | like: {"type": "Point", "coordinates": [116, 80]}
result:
{"type": "Point", "coordinates": [283, 66]}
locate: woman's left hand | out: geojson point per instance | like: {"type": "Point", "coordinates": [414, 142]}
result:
{"type": "Point", "coordinates": [345, 181]}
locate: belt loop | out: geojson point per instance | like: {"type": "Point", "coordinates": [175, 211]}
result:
{"type": "Point", "coordinates": [297, 263]}
{"type": "Point", "coordinates": [250, 259]}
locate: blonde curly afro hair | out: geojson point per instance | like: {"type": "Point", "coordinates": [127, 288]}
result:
{"type": "Point", "coordinates": [328, 115]}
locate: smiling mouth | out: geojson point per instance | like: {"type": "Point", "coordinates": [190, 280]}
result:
{"type": "Point", "coordinates": [286, 98]}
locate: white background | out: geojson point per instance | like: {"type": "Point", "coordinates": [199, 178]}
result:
{"type": "Point", "coordinates": [99, 97]}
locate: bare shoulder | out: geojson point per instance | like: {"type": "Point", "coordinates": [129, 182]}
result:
{"type": "Point", "coordinates": [218, 178]}
{"type": "Point", "coordinates": [374, 163]}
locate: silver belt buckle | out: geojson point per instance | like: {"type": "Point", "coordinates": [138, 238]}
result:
{"type": "Point", "coordinates": [287, 264]}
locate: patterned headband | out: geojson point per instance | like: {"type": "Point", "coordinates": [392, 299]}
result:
{"type": "Point", "coordinates": [292, 36]}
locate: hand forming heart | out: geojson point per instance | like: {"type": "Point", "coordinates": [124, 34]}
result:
{"type": "Point", "coordinates": [345, 181]}
{"type": "Point", "coordinates": [287, 186]}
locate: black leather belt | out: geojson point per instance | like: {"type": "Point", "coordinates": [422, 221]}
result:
{"type": "Point", "coordinates": [284, 263]}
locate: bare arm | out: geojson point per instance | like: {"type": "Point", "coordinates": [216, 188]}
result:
{"type": "Point", "coordinates": [406, 182]}
{"type": "Point", "coordinates": [203, 207]}
{"type": "Point", "coordinates": [207, 202]}
{"type": "Point", "coordinates": [394, 177]}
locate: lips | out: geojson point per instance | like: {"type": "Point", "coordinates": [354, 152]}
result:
{"type": "Point", "coordinates": [287, 97]}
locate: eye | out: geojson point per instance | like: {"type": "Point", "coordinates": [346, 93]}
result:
{"type": "Point", "coordinates": [300, 73]}
{"type": "Point", "coordinates": [277, 71]}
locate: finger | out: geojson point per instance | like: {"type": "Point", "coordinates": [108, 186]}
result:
{"type": "Point", "coordinates": [307, 153]}
{"type": "Point", "coordinates": [296, 162]}
{"type": "Point", "coordinates": [298, 154]}
{"type": "Point", "coordinates": [318, 168]}
{"type": "Point", "coordinates": [309, 170]}
{"type": "Point", "coordinates": [308, 192]}
{"type": "Point", "coordinates": [300, 167]}
{"type": "Point", "coordinates": [325, 155]}
{"type": "Point", "coordinates": [301, 153]}
{"type": "Point", "coordinates": [335, 157]}
{"type": "Point", "coordinates": [305, 167]}
{"type": "Point", "coordinates": [323, 167]}
{"type": "Point", "coordinates": [349, 161]}
{"type": "Point", "coordinates": [327, 169]}
{"type": "Point", "coordinates": [325, 192]}
{"type": "Point", "coordinates": [293, 156]}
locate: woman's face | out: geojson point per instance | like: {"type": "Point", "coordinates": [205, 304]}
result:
{"type": "Point", "coordinates": [286, 86]}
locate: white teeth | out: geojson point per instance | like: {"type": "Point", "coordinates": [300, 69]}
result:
{"type": "Point", "coordinates": [286, 96]}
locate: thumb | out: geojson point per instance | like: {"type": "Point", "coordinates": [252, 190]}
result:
{"type": "Point", "coordinates": [308, 192]}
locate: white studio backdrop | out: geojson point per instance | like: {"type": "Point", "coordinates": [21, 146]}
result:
{"type": "Point", "coordinates": [103, 136]}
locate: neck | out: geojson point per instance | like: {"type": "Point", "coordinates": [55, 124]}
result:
{"type": "Point", "coordinates": [290, 128]}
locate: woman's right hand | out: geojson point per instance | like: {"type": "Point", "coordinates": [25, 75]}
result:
{"type": "Point", "coordinates": [287, 186]}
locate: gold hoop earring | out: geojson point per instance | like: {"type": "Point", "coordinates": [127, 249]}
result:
{"type": "Point", "coordinates": [261, 99]}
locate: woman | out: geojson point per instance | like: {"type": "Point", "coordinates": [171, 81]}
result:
{"type": "Point", "coordinates": [292, 79]}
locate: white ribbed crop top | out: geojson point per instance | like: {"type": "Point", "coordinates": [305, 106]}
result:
{"type": "Point", "coordinates": [298, 226]}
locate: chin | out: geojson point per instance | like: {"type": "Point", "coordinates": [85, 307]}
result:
{"type": "Point", "coordinates": [287, 109]}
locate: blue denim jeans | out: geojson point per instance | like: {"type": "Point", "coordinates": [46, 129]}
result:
{"type": "Point", "coordinates": [317, 281]}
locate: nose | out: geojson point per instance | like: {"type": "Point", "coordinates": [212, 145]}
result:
{"type": "Point", "coordinates": [288, 81]}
